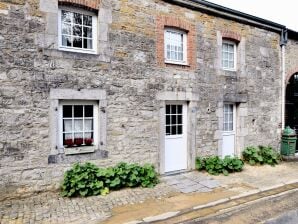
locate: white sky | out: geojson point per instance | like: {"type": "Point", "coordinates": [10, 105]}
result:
{"type": "Point", "coordinates": [284, 12]}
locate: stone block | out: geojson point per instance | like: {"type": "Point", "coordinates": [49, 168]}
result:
{"type": "Point", "coordinates": [50, 6]}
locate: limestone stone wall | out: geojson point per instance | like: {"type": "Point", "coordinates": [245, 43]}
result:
{"type": "Point", "coordinates": [127, 69]}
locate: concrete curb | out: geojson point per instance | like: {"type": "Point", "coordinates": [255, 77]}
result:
{"type": "Point", "coordinates": [172, 214]}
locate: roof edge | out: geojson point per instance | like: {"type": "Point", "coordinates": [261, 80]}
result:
{"type": "Point", "coordinates": [202, 5]}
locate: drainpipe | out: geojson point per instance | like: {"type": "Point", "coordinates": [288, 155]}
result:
{"type": "Point", "coordinates": [283, 43]}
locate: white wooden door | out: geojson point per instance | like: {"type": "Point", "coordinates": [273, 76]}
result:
{"type": "Point", "coordinates": [176, 137]}
{"type": "Point", "coordinates": [229, 132]}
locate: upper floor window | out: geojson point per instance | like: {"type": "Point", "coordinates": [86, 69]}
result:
{"type": "Point", "coordinates": [175, 46]}
{"type": "Point", "coordinates": [229, 55]}
{"type": "Point", "coordinates": [77, 31]}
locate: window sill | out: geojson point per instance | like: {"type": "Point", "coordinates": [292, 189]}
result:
{"type": "Point", "coordinates": [77, 50]}
{"type": "Point", "coordinates": [229, 69]}
{"type": "Point", "coordinates": [176, 63]}
{"type": "Point", "coordinates": [79, 150]}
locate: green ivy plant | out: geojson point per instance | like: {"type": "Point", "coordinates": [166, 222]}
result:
{"type": "Point", "coordinates": [88, 179]}
{"type": "Point", "coordinates": [215, 165]}
{"type": "Point", "coordinates": [261, 155]}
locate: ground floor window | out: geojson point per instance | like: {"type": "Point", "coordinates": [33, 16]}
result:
{"type": "Point", "coordinates": [78, 123]}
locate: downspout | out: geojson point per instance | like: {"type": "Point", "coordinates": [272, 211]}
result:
{"type": "Point", "coordinates": [283, 43]}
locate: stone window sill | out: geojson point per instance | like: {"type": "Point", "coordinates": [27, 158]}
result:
{"type": "Point", "coordinates": [79, 150]}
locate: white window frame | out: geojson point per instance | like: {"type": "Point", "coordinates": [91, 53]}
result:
{"type": "Point", "coordinates": [233, 121]}
{"type": "Point", "coordinates": [170, 61]}
{"type": "Point", "coordinates": [94, 31]}
{"type": "Point", "coordinates": [74, 150]}
{"type": "Point", "coordinates": [235, 55]}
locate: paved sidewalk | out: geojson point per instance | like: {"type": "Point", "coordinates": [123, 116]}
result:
{"type": "Point", "coordinates": [173, 194]}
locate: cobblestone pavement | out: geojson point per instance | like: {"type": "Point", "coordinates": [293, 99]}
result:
{"type": "Point", "coordinates": [52, 208]}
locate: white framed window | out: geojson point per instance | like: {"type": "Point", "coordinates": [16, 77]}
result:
{"type": "Point", "coordinates": [175, 43]}
{"type": "Point", "coordinates": [174, 119]}
{"type": "Point", "coordinates": [229, 111]}
{"type": "Point", "coordinates": [78, 125]}
{"type": "Point", "coordinates": [77, 30]}
{"type": "Point", "coordinates": [229, 55]}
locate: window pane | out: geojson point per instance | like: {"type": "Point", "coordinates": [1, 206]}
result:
{"type": "Point", "coordinates": [179, 119]}
{"type": "Point", "coordinates": [77, 42]}
{"type": "Point", "coordinates": [66, 41]}
{"type": "Point", "coordinates": [78, 111]}
{"type": "Point", "coordinates": [231, 64]}
{"type": "Point", "coordinates": [225, 64]}
{"type": "Point", "coordinates": [226, 128]}
{"type": "Point", "coordinates": [77, 30]}
{"type": "Point", "coordinates": [67, 137]}
{"type": "Point", "coordinates": [66, 28]}
{"type": "Point", "coordinates": [231, 56]}
{"type": "Point", "coordinates": [168, 109]}
{"type": "Point", "coordinates": [88, 43]}
{"type": "Point", "coordinates": [225, 56]}
{"type": "Point", "coordinates": [78, 138]}
{"type": "Point", "coordinates": [67, 111]}
{"type": "Point", "coordinates": [231, 117]}
{"type": "Point", "coordinates": [66, 16]}
{"type": "Point", "coordinates": [168, 54]}
{"type": "Point", "coordinates": [88, 111]}
{"type": "Point", "coordinates": [231, 48]}
{"type": "Point", "coordinates": [168, 130]}
{"type": "Point", "coordinates": [78, 125]}
{"type": "Point", "coordinates": [225, 47]}
{"type": "Point", "coordinates": [87, 32]}
{"type": "Point", "coordinates": [179, 131]}
{"type": "Point", "coordinates": [174, 130]}
{"type": "Point", "coordinates": [77, 18]}
{"type": "Point", "coordinates": [168, 120]}
{"type": "Point", "coordinates": [226, 118]}
{"type": "Point", "coordinates": [174, 120]}
{"type": "Point", "coordinates": [174, 111]}
{"type": "Point", "coordinates": [87, 20]}
{"type": "Point", "coordinates": [88, 125]}
{"type": "Point", "coordinates": [89, 135]}
{"type": "Point", "coordinates": [179, 109]}
{"type": "Point", "coordinates": [180, 56]}
{"type": "Point", "coordinates": [230, 126]}
{"type": "Point", "coordinates": [67, 125]}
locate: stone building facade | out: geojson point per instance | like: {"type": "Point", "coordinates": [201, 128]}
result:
{"type": "Point", "coordinates": [134, 92]}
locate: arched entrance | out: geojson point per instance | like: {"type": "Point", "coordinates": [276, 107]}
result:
{"type": "Point", "coordinates": [291, 112]}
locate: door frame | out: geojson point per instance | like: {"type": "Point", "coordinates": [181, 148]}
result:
{"type": "Point", "coordinates": [184, 136]}
{"type": "Point", "coordinates": [192, 100]}
{"type": "Point", "coordinates": [234, 127]}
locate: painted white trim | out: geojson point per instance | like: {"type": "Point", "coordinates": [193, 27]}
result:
{"type": "Point", "coordinates": [94, 31]}
{"type": "Point", "coordinates": [235, 55]}
{"type": "Point", "coordinates": [177, 62]}
{"type": "Point", "coordinates": [233, 132]}
{"type": "Point", "coordinates": [183, 137]}
{"type": "Point", "coordinates": [95, 120]}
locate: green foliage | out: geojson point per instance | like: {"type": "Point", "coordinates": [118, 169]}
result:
{"type": "Point", "coordinates": [261, 155]}
{"type": "Point", "coordinates": [215, 165]}
{"type": "Point", "coordinates": [88, 179]}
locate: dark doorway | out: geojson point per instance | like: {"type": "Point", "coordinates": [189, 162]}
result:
{"type": "Point", "coordinates": [291, 115]}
